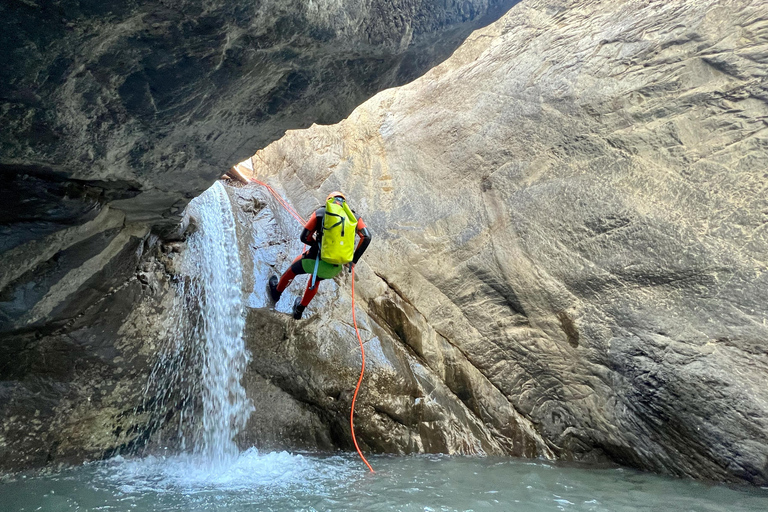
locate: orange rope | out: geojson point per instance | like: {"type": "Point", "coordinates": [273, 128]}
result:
{"type": "Point", "coordinates": [298, 217]}
{"type": "Point", "coordinates": [360, 380]}
{"type": "Point", "coordinates": [282, 202]}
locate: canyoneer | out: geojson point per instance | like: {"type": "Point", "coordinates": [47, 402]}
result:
{"type": "Point", "coordinates": [330, 234]}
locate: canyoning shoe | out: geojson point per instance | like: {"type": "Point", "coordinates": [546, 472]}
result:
{"type": "Point", "coordinates": [298, 309]}
{"type": "Point", "coordinates": [273, 289]}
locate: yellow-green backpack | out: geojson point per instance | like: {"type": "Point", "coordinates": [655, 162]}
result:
{"type": "Point", "coordinates": [339, 227]}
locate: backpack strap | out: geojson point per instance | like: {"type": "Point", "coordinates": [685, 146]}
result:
{"type": "Point", "coordinates": [340, 221]}
{"type": "Point", "coordinates": [314, 272]}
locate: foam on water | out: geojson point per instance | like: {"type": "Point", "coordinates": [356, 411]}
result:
{"type": "Point", "coordinates": [205, 357]}
{"type": "Point", "coordinates": [281, 482]}
{"type": "Point", "coordinates": [251, 472]}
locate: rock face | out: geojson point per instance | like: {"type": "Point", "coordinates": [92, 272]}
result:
{"type": "Point", "coordinates": [139, 108]}
{"type": "Point", "coordinates": [302, 374]}
{"type": "Point", "coordinates": [569, 217]}
{"type": "Point", "coordinates": [570, 221]}
{"type": "Point", "coordinates": [115, 114]}
{"type": "Point", "coordinates": [75, 392]}
{"type": "Point", "coordinates": [161, 97]}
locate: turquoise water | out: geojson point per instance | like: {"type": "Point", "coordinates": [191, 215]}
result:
{"type": "Point", "coordinates": [285, 482]}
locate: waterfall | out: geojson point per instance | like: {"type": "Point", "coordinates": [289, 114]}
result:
{"type": "Point", "coordinates": [215, 260]}
{"type": "Point", "coordinates": [199, 369]}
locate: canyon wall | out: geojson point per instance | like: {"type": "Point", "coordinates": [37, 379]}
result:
{"type": "Point", "coordinates": [574, 209]}
{"type": "Point", "coordinates": [303, 373]}
{"type": "Point", "coordinates": [569, 218]}
{"type": "Point", "coordinates": [115, 114]}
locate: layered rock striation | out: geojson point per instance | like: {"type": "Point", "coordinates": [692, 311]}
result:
{"type": "Point", "coordinates": [569, 217]}
{"type": "Point", "coordinates": [572, 209]}
{"type": "Point", "coordinates": [157, 98]}
{"type": "Point", "coordinates": [138, 108]}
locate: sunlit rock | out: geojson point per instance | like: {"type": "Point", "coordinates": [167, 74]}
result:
{"type": "Point", "coordinates": [571, 211]}
{"type": "Point", "coordinates": [114, 115]}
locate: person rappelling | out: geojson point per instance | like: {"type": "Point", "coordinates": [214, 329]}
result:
{"type": "Point", "coordinates": [330, 234]}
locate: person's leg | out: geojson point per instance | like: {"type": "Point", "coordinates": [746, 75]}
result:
{"type": "Point", "coordinates": [309, 294]}
{"type": "Point", "coordinates": [276, 287]}
{"type": "Point", "coordinates": [294, 270]}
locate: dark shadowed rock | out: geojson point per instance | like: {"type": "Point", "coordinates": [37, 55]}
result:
{"type": "Point", "coordinates": [139, 107]}
{"type": "Point", "coordinates": [569, 216]}
{"type": "Point", "coordinates": [75, 391]}
{"type": "Point", "coordinates": [167, 95]}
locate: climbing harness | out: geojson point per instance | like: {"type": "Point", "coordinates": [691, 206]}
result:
{"type": "Point", "coordinates": [298, 217]}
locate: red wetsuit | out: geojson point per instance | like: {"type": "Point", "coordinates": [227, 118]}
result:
{"type": "Point", "coordinates": [311, 236]}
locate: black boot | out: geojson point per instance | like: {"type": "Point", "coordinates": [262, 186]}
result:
{"type": "Point", "coordinates": [273, 289]}
{"type": "Point", "coordinates": [298, 309]}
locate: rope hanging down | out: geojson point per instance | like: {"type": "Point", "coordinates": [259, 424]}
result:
{"type": "Point", "coordinates": [360, 379]}
{"type": "Point", "coordinates": [298, 217]}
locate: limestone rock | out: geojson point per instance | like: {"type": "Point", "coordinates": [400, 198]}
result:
{"type": "Point", "coordinates": [76, 392]}
{"type": "Point", "coordinates": [164, 97]}
{"type": "Point", "coordinates": [138, 108]}
{"type": "Point", "coordinates": [569, 221]}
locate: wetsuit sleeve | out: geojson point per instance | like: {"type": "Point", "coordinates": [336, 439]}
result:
{"type": "Point", "coordinates": [365, 239]}
{"type": "Point", "coordinates": [310, 229]}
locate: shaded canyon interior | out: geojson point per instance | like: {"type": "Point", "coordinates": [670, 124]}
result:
{"type": "Point", "coordinates": [569, 208]}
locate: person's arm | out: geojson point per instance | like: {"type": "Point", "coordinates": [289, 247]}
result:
{"type": "Point", "coordinates": [365, 238]}
{"type": "Point", "coordinates": [308, 234]}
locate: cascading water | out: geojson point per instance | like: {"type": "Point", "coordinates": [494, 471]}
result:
{"type": "Point", "coordinates": [199, 370]}
{"type": "Point", "coordinates": [214, 258]}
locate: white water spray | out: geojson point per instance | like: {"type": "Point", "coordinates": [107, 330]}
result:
{"type": "Point", "coordinates": [199, 370]}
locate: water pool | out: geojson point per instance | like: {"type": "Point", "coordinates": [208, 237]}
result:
{"type": "Point", "coordinates": [286, 482]}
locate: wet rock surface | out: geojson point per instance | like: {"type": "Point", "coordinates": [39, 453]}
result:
{"type": "Point", "coordinates": [569, 221]}
{"type": "Point", "coordinates": [75, 391]}
{"type": "Point", "coordinates": [569, 218]}
{"type": "Point", "coordinates": [134, 108]}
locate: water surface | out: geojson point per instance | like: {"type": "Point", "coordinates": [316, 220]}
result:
{"type": "Point", "coordinates": [285, 482]}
